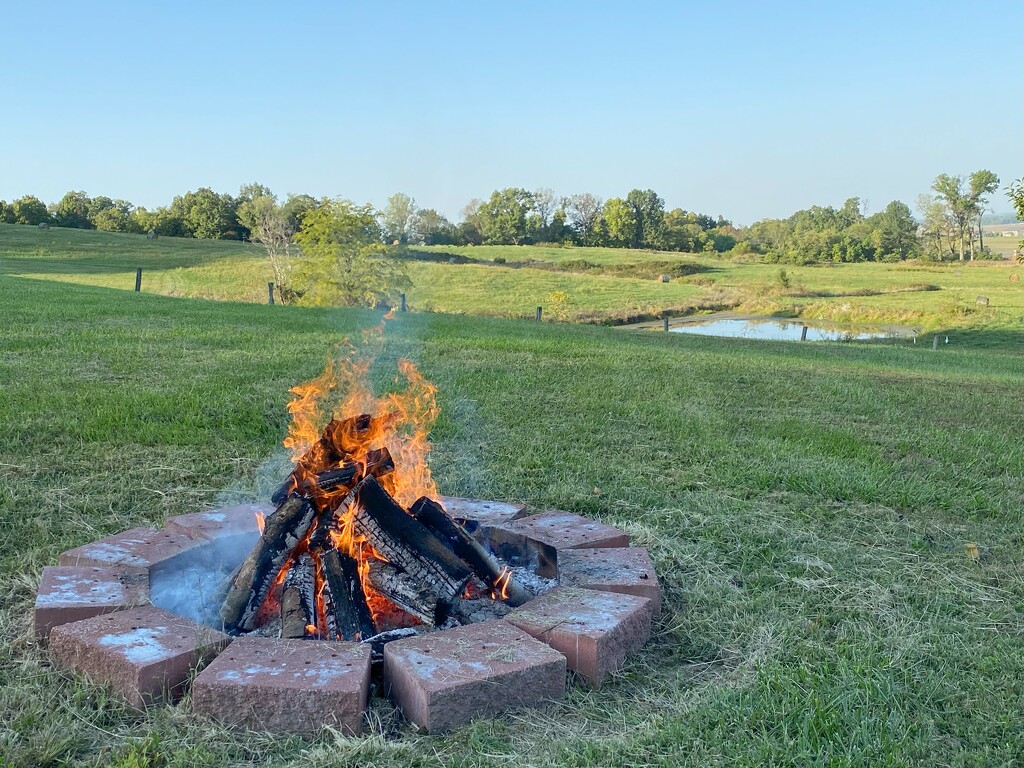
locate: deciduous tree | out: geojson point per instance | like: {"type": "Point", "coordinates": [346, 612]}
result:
{"type": "Point", "coordinates": [399, 218]}
{"type": "Point", "coordinates": [343, 261]}
{"type": "Point", "coordinates": [72, 211]}
{"type": "Point", "coordinates": [29, 209]}
{"type": "Point", "coordinates": [268, 225]}
{"type": "Point", "coordinates": [503, 217]}
{"type": "Point", "coordinates": [957, 201]}
{"type": "Point", "coordinates": [981, 184]}
{"type": "Point", "coordinates": [649, 215]}
{"type": "Point", "coordinates": [584, 212]}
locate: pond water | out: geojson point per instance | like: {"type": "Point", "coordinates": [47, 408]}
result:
{"type": "Point", "coordinates": [778, 330]}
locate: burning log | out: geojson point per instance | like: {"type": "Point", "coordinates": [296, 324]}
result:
{"type": "Point", "coordinates": [409, 548]}
{"type": "Point", "coordinates": [352, 617]}
{"type": "Point", "coordinates": [257, 574]}
{"type": "Point", "coordinates": [484, 565]}
{"type": "Point", "coordinates": [409, 593]}
{"type": "Point", "coordinates": [298, 598]}
{"type": "Point", "coordinates": [345, 476]}
{"type": "Point", "coordinates": [340, 438]}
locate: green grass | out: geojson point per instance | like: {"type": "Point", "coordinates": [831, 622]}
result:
{"type": "Point", "coordinates": [807, 506]}
{"type": "Point", "coordinates": [622, 287]}
{"type": "Point", "coordinates": [504, 291]}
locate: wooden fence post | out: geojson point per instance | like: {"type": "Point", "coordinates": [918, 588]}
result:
{"type": "Point", "coordinates": [803, 333]}
{"type": "Point", "coordinates": [403, 301]}
{"type": "Point", "coordinates": [666, 323]}
{"type": "Point", "coordinates": [538, 314]}
{"type": "Point", "coordinates": [270, 293]}
{"type": "Point", "coordinates": [138, 280]}
{"type": "Point", "coordinates": [935, 342]}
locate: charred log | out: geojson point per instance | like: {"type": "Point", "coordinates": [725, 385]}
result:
{"type": "Point", "coordinates": [483, 563]}
{"type": "Point", "coordinates": [298, 598]}
{"type": "Point", "coordinates": [256, 576]}
{"type": "Point", "coordinates": [336, 480]}
{"type": "Point", "coordinates": [409, 593]}
{"type": "Point", "coordinates": [409, 547]}
{"type": "Point", "coordinates": [352, 617]}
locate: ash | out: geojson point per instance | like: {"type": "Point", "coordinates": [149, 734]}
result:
{"type": "Point", "coordinates": [532, 582]}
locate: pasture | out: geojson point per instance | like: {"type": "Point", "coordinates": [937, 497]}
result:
{"type": "Point", "coordinates": [809, 508]}
{"type": "Point", "coordinates": [598, 285]}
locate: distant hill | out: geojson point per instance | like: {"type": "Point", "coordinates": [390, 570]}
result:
{"type": "Point", "coordinates": [999, 218]}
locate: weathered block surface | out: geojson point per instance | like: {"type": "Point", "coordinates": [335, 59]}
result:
{"type": "Point", "coordinates": [286, 686]}
{"type": "Point", "coordinates": [542, 536]}
{"type": "Point", "coordinates": [69, 594]}
{"type": "Point", "coordinates": [445, 679]}
{"type": "Point", "coordinates": [136, 547]}
{"type": "Point", "coordinates": [228, 521]}
{"type": "Point", "coordinates": [145, 653]}
{"type": "Point", "coordinates": [595, 630]}
{"type": "Point", "coordinates": [481, 513]}
{"type": "Point", "coordinates": [627, 570]}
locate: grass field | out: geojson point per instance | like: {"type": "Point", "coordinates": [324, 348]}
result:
{"type": "Point", "coordinates": [622, 286]}
{"type": "Point", "coordinates": [808, 507]}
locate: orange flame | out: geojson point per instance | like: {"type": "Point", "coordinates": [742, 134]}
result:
{"type": "Point", "coordinates": [322, 437]}
{"type": "Point", "coordinates": [261, 522]}
{"type": "Point", "coordinates": [499, 591]}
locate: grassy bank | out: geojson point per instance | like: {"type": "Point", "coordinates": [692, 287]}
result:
{"type": "Point", "coordinates": [808, 508]}
{"type": "Point", "coordinates": [602, 285]}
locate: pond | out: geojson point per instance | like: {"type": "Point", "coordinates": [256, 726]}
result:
{"type": "Point", "coordinates": [780, 330]}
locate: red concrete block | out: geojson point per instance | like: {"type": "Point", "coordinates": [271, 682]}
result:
{"type": "Point", "coordinates": [145, 653]}
{"type": "Point", "coordinates": [537, 539]}
{"type": "Point", "coordinates": [228, 521]}
{"type": "Point", "coordinates": [444, 679]}
{"type": "Point", "coordinates": [71, 594]}
{"type": "Point", "coordinates": [136, 547]}
{"type": "Point", "coordinates": [627, 570]}
{"type": "Point", "coordinates": [286, 686]}
{"type": "Point", "coordinates": [480, 513]}
{"type": "Point", "coordinates": [595, 630]}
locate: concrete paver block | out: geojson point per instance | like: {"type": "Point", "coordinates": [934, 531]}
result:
{"type": "Point", "coordinates": [538, 538]}
{"type": "Point", "coordinates": [627, 570]}
{"type": "Point", "coordinates": [595, 630]}
{"type": "Point", "coordinates": [144, 653]}
{"type": "Point", "coordinates": [286, 686]}
{"type": "Point", "coordinates": [444, 679]}
{"type": "Point", "coordinates": [69, 594]}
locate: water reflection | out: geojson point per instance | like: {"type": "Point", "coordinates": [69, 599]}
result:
{"type": "Point", "coordinates": [776, 330]}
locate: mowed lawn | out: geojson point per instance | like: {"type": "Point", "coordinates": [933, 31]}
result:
{"type": "Point", "coordinates": [809, 509]}
{"type": "Point", "coordinates": [928, 297]}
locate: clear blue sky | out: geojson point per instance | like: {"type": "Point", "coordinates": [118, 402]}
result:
{"type": "Point", "coordinates": [748, 109]}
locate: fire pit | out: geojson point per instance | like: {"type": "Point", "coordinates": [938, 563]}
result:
{"type": "Point", "coordinates": [358, 574]}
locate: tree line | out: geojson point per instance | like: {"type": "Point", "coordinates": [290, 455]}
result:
{"type": "Point", "coordinates": [949, 225]}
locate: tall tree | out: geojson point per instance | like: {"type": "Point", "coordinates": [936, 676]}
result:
{"type": "Point", "coordinates": [398, 218]}
{"type": "Point", "coordinates": [620, 224]}
{"type": "Point", "coordinates": [895, 234]}
{"type": "Point", "coordinates": [545, 202]}
{"type": "Point", "coordinates": [72, 210]}
{"type": "Point", "coordinates": [29, 209]}
{"type": "Point", "coordinates": [584, 212]}
{"type": "Point", "coordinates": [295, 207]}
{"type": "Point", "coordinates": [503, 217]}
{"type": "Point", "coordinates": [1016, 194]}
{"type": "Point", "coordinates": [959, 207]}
{"type": "Point", "coordinates": [268, 225]}
{"type": "Point", "coordinates": [981, 184]}
{"type": "Point", "coordinates": [649, 214]}
{"type": "Point", "coordinates": [434, 228]}
{"type": "Point", "coordinates": [342, 260]}
{"type": "Point", "coordinates": [207, 215]}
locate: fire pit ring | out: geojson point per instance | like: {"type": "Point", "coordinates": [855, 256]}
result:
{"type": "Point", "coordinates": [106, 612]}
